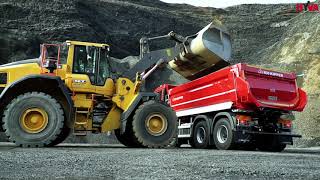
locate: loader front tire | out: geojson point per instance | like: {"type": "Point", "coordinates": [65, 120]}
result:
{"type": "Point", "coordinates": [155, 125]}
{"type": "Point", "coordinates": [127, 139]}
{"type": "Point", "coordinates": [33, 119]}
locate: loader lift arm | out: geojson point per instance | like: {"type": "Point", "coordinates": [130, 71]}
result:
{"type": "Point", "coordinates": [149, 59]}
{"type": "Point", "coordinates": [193, 56]}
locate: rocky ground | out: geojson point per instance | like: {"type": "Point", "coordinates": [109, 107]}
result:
{"type": "Point", "coordinates": [272, 36]}
{"type": "Point", "coordinates": [116, 162]}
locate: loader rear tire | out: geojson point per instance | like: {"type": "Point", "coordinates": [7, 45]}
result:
{"type": "Point", "coordinates": [33, 119]}
{"type": "Point", "coordinates": [155, 125]}
{"type": "Point", "coordinates": [65, 132]}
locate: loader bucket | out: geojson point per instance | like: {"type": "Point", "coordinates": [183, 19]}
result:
{"type": "Point", "coordinates": [209, 51]}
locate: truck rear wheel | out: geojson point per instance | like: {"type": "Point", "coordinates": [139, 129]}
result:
{"type": "Point", "coordinates": [200, 138]}
{"type": "Point", "coordinates": [223, 135]}
{"type": "Point", "coordinates": [155, 124]}
{"type": "Point", "coordinates": [33, 119]}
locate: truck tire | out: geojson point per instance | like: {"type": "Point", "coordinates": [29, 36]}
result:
{"type": "Point", "coordinates": [223, 135]}
{"type": "Point", "coordinates": [33, 119]}
{"type": "Point", "coordinates": [200, 137]}
{"type": "Point", "coordinates": [155, 125]}
{"type": "Point", "coordinates": [270, 144]}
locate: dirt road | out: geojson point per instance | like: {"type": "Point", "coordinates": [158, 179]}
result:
{"type": "Point", "coordinates": [116, 162]}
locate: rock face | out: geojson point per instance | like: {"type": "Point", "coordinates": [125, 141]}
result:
{"type": "Point", "coordinates": [298, 50]}
{"type": "Point", "coordinates": [267, 35]}
{"type": "Point", "coordinates": [25, 24]}
{"type": "Point", "coordinates": [254, 28]}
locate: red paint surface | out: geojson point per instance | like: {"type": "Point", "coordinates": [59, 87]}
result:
{"type": "Point", "coordinates": [252, 88]}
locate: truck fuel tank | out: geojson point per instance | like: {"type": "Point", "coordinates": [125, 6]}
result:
{"type": "Point", "coordinates": [208, 51]}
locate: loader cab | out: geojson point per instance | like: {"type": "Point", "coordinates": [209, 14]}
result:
{"type": "Point", "coordinates": [88, 68]}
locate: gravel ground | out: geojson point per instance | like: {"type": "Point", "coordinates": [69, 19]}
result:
{"type": "Point", "coordinates": [69, 161]}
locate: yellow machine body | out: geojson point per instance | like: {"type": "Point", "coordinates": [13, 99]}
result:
{"type": "Point", "coordinates": [120, 93]}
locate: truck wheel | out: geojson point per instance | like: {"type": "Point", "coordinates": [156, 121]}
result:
{"type": "Point", "coordinates": [223, 135]}
{"type": "Point", "coordinates": [200, 138]}
{"type": "Point", "coordinates": [155, 124]}
{"type": "Point", "coordinates": [270, 143]}
{"type": "Point", "coordinates": [33, 119]}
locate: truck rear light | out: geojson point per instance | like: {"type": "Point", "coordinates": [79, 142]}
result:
{"type": "Point", "coordinates": [287, 116]}
{"type": "Point", "coordinates": [243, 119]}
{"type": "Point", "coordinates": [285, 123]}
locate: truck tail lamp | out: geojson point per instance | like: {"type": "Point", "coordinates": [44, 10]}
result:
{"type": "Point", "coordinates": [285, 123]}
{"type": "Point", "coordinates": [243, 119]}
{"type": "Point", "coordinates": [285, 120]}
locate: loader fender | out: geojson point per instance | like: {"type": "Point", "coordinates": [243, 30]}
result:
{"type": "Point", "coordinates": [143, 96]}
{"type": "Point", "coordinates": [51, 85]}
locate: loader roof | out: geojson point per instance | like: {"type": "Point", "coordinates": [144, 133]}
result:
{"type": "Point", "coordinates": [87, 43]}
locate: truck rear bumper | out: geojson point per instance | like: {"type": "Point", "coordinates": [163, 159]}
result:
{"type": "Point", "coordinates": [249, 136]}
{"type": "Point", "coordinates": [274, 134]}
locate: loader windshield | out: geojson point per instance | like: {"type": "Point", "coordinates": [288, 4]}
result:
{"type": "Point", "coordinates": [93, 62]}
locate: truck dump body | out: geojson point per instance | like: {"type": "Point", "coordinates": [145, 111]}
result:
{"type": "Point", "coordinates": [239, 106]}
{"type": "Point", "coordinates": [237, 87]}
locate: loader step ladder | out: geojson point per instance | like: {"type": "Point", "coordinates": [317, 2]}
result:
{"type": "Point", "coordinates": [81, 125]}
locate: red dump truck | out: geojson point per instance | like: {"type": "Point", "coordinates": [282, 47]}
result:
{"type": "Point", "coordinates": [237, 106]}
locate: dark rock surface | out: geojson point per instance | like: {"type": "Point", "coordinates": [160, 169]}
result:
{"type": "Point", "coordinates": [25, 24]}
{"type": "Point", "coordinates": [119, 23]}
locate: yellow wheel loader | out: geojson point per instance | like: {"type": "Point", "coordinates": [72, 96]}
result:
{"type": "Point", "coordinates": [43, 99]}
{"type": "Point", "coordinates": [70, 88]}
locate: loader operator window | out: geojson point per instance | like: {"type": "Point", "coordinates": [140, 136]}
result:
{"type": "Point", "coordinates": [91, 61]}
{"type": "Point", "coordinates": [84, 61]}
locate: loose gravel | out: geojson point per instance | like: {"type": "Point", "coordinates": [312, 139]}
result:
{"type": "Point", "coordinates": [118, 162]}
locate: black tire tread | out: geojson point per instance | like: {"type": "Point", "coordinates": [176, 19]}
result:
{"type": "Point", "coordinates": [8, 132]}
{"type": "Point", "coordinates": [193, 142]}
{"type": "Point", "coordinates": [231, 144]}
{"type": "Point", "coordinates": [167, 144]}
